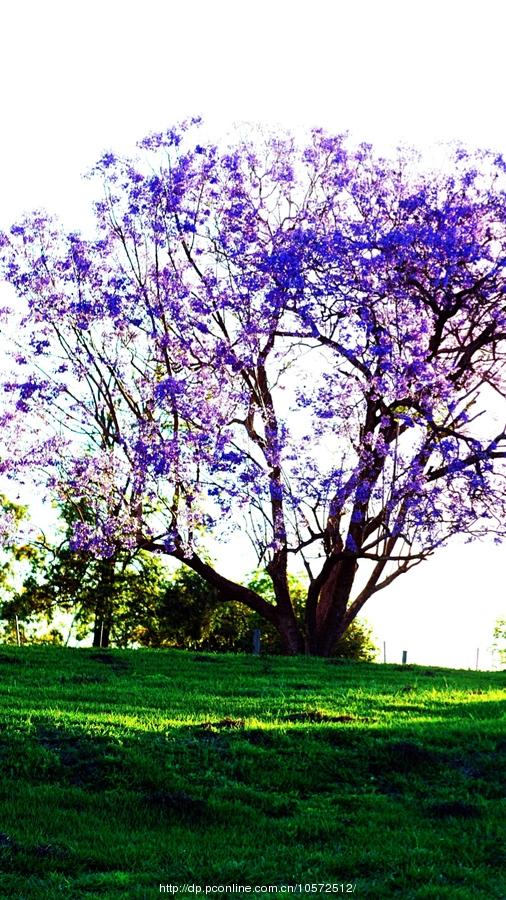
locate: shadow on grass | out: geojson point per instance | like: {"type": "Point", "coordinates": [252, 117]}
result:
{"type": "Point", "coordinates": [110, 659]}
{"type": "Point", "coordinates": [468, 709]}
{"type": "Point", "coordinates": [434, 760]}
{"type": "Point", "coordinates": [310, 781]}
{"type": "Point", "coordinates": [98, 764]}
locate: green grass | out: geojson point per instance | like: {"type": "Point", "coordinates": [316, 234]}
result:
{"type": "Point", "coordinates": [124, 770]}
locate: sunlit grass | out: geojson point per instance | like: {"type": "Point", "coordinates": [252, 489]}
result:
{"type": "Point", "coordinates": [127, 769]}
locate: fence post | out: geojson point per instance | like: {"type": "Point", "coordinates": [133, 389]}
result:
{"type": "Point", "coordinates": [404, 657]}
{"type": "Point", "coordinates": [18, 639]}
{"type": "Point", "coordinates": [256, 641]}
{"type": "Point", "coordinates": [384, 651]}
{"type": "Point", "coordinates": [477, 658]}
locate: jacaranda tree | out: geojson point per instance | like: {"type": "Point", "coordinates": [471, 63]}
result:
{"type": "Point", "coordinates": [293, 339]}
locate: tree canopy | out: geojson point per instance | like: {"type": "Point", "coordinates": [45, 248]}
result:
{"type": "Point", "coordinates": [293, 337]}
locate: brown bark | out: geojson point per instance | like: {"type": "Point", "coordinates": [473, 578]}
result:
{"type": "Point", "coordinates": [229, 590]}
{"type": "Point", "coordinates": [331, 626]}
{"type": "Point", "coordinates": [291, 636]}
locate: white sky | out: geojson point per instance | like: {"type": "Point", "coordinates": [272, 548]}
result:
{"type": "Point", "coordinates": [78, 78]}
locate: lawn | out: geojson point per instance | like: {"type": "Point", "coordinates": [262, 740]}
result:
{"type": "Point", "coordinates": [128, 773]}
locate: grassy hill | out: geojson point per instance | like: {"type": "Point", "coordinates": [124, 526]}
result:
{"type": "Point", "coordinates": [126, 770]}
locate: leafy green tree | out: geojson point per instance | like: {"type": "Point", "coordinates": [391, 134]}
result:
{"type": "Point", "coordinates": [103, 595]}
{"type": "Point", "coordinates": [16, 556]}
{"type": "Point", "coordinates": [499, 645]}
{"type": "Point", "coordinates": [178, 616]}
{"type": "Point", "coordinates": [106, 596]}
{"type": "Point", "coordinates": [137, 589]}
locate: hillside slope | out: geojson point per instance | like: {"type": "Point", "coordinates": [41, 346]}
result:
{"type": "Point", "coordinates": [126, 770]}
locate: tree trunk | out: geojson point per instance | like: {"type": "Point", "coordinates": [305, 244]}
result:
{"type": "Point", "coordinates": [328, 638]}
{"type": "Point", "coordinates": [104, 605]}
{"type": "Point", "coordinates": [291, 638]}
{"type": "Point", "coordinates": [100, 635]}
{"type": "Point", "coordinates": [328, 599]}
{"type": "Point", "coordinates": [103, 623]}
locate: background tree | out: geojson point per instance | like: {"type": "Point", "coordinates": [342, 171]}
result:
{"type": "Point", "coordinates": [180, 615]}
{"type": "Point", "coordinates": [105, 596]}
{"type": "Point", "coordinates": [16, 557]}
{"type": "Point", "coordinates": [301, 337]}
{"type": "Point", "coordinates": [499, 645]}
{"type": "Point", "coordinates": [98, 593]}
